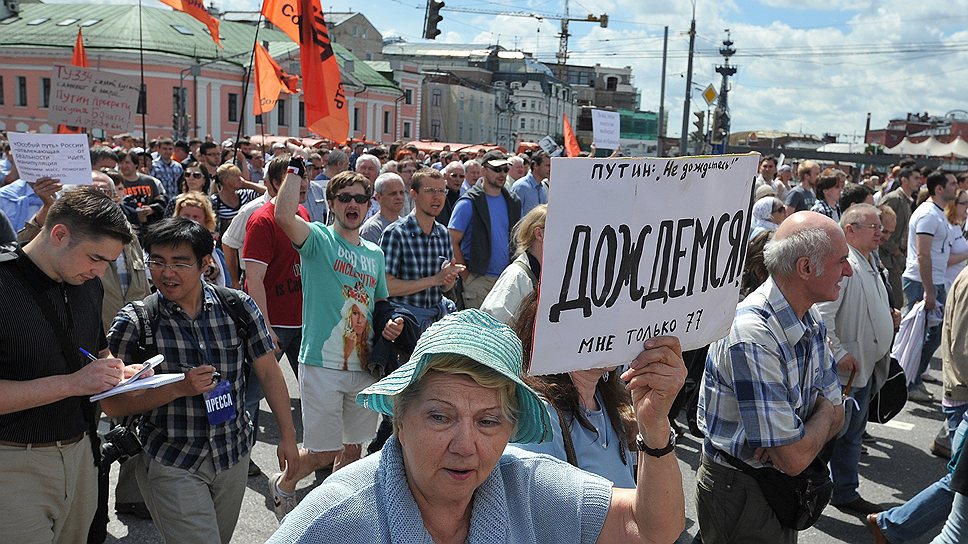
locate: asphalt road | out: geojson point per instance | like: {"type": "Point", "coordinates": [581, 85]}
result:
{"type": "Point", "coordinates": [898, 467]}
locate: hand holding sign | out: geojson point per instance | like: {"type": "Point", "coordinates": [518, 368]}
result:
{"type": "Point", "coordinates": [654, 379]}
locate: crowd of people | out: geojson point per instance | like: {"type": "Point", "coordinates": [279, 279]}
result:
{"type": "Point", "coordinates": [401, 288]}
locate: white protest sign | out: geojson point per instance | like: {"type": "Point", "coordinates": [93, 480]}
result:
{"type": "Point", "coordinates": [61, 156]}
{"type": "Point", "coordinates": [87, 98]}
{"type": "Point", "coordinates": [640, 248]}
{"type": "Point", "coordinates": [605, 129]}
{"type": "Point", "coordinates": [550, 146]}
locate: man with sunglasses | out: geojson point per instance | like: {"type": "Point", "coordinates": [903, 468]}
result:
{"type": "Point", "coordinates": [480, 229]}
{"type": "Point", "coordinates": [454, 178]}
{"type": "Point", "coordinates": [343, 277]}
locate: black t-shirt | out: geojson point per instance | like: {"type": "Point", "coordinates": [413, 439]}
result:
{"type": "Point", "coordinates": [30, 347]}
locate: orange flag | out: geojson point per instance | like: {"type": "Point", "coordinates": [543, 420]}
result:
{"type": "Point", "coordinates": [270, 80]}
{"type": "Point", "coordinates": [284, 14]}
{"type": "Point", "coordinates": [326, 110]}
{"type": "Point", "coordinates": [196, 8]}
{"type": "Point", "coordinates": [571, 142]}
{"type": "Point", "coordinates": [80, 57]}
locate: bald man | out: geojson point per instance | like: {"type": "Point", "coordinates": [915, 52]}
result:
{"type": "Point", "coordinates": [770, 391]}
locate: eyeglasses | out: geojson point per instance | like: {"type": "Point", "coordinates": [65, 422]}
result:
{"type": "Point", "coordinates": [503, 169]}
{"type": "Point", "coordinates": [158, 266]}
{"type": "Point", "coordinates": [345, 198]}
{"type": "Point", "coordinates": [433, 191]}
{"type": "Point", "coordinates": [873, 226]}
{"type": "Point", "coordinates": [194, 175]}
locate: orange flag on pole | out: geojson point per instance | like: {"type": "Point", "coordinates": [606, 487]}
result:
{"type": "Point", "coordinates": [196, 8]}
{"type": "Point", "coordinates": [270, 80]}
{"type": "Point", "coordinates": [326, 110]}
{"type": "Point", "coordinates": [571, 142]}
{"type": "Point", "coordinates": [284, 14]}
{"type": "Point", "coordinates": [80, 57]}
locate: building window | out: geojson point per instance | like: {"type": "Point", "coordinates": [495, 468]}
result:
{"type": "Point", "coordinates": [523, 126]}
{"type": "Point", "coordinates": [233, 108]}
{"type": "Point", "coordinates": [259, 120]}
{"type": "Point", "coordinates": [45, 92]}
{"type": "Point", "coordinates": [406, 129]}
{"type": "Point", "coordinates": [281, 113]}
{"type": "Point", "coordinates": [21, 91]}
{"type": "Point", "coordinates": [435, 98]}
{"type": "Point", "coordinates": [460, 104]}
{"type": "Point", "coordinates": [356, 119]}
{"type": "Point", "coordinates": [386, 122]}
{"type": "Point", "coordinates": [302, 113]}
{"type": "Point", "coordinates": [435, 129]}
{"type": "Point", "coordinates": [524, 105]}
{"type": "Point", "coordinates": [408, 96]}
{"type": "Point", "coordinates": [532, 125]}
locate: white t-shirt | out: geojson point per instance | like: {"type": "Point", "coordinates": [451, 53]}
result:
{"type": "Point", "coordinates": [928, 219]}
{"type": "Point", "coordinates": [956, 239]}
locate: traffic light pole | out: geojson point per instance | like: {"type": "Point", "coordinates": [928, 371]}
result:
{"type": "Point", "coordinates": [684, 137]}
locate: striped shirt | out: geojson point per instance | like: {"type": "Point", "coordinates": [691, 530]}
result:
{"type": "Point", "coordinates": [178, 434]}
{"type": "Point", "coordinates": [762, 381]}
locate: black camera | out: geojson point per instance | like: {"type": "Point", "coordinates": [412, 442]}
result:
{"type": "Point", "coordinates": [120, 443]}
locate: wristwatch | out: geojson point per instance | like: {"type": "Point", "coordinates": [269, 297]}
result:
{"type": "Point", "coordinates": [640, 444]}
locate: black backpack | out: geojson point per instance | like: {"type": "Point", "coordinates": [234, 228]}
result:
{"type": "Point", "coordinates": [147, 312]}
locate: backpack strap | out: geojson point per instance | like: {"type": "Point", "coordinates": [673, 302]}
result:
{"type": "Point", "coordinates": [147, 312]}
{"type": "Point", "coordinates": [528, 271]}
{"type": "Point", "coordinates": [235, 307]}
{"type": "Point", "coordinates": [566, 437]}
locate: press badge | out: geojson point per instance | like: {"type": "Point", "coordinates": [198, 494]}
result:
{"type": "Point", "coordinates": [219, 404]}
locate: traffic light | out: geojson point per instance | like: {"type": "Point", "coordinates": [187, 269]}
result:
{"type": "Point", "coordinates": [699, 123]}
{"type": "Point", "coordinates": [721, 127]}
{"type": "Point", "coordinates": [432, 19]}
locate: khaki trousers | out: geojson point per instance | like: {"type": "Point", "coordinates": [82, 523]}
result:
{"type": "Point", "coordinates": [188, 507]}
{"type": "Point", "coordinates": [49, 494]}
{"type": "Point", "coordinates": [476, 289]}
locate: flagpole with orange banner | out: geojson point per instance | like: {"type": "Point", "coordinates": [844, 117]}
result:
{"type": "Point", "coordinates": [196, 8]}
{"type": "Point", "coordinates": [270, 80]}
{"type": "Point", "coordinates": [572, 148]}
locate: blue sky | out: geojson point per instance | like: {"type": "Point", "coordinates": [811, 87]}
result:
{"type": "Point", "coordinates": [804, 65]}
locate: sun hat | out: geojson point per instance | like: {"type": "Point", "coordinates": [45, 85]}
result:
{"type": "Point", "coordinates": [480, 337]}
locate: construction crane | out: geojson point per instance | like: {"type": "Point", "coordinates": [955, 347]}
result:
{"type": "Point", "coordinates": [565, 18]}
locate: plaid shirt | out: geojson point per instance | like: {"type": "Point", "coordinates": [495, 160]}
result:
{"type": "Point", "coordinates": [412, 255]}
{"type": "Point", "coordinates": [761, 382]}
{"type": "Point", "coordinates": [821, 206]}
{"type": "Point", "coordinates": [178, 434]}
{"type": "Point", "coordinates": [169, 174]}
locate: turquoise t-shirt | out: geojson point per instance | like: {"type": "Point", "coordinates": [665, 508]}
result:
{"type": "Point", "coordinates": [341, 284]}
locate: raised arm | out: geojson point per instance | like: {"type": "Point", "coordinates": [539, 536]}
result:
{"type": "Point", "coordinates": [287, 204]}
{"type": "Point", "coordinates": [655, 511]}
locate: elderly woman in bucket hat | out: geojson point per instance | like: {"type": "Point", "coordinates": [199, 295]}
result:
{"type": "Point", "coordinates": [446, 474]}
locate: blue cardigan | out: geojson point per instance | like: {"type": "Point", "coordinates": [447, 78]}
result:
{"type": "Point", "coordinates": [527, 498]}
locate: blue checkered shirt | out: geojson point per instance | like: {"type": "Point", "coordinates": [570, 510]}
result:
{"type": "Point", "coordinates": [762, 381]}
{"type": "Point", "coordinates": [169, 174]}
{"type": "Point", "coordinates": [411, 255]}
{"type": "Point", "coordinates": [178, 434]}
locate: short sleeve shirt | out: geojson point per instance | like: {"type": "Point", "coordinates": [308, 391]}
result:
{"type": "Point", "coordinates": [412, 254]}
{"type": "Point", "coordinates": [800, 198]}
{"type": "Point", "coordinates": [341, 284]}
{"type": "Point", "coordinates": [762, 381]}
{"type": "Point", "coordinates": [178, 434]}
{"type": "Point", "coordinates": [497, 209]}
{"type": "Point", "coordinates": [268, 244]}
{"type": "Point", "coordinates": [928, 219]}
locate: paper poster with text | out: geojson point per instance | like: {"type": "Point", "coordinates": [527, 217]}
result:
{"type": "Point", "coordinates": [90, 99]}
{"type": "Point", "coordinates": [637, 248]}
{"type": "Point", "coordinates": [60, 156]}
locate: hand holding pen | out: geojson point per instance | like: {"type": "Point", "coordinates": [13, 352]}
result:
{"type": "Point", "coordinates": [198, 379]}
{"type": "Point", "coordinates": [98, 375]}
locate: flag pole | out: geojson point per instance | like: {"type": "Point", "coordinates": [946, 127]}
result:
{"type": "Point", "coordinates": [245, 91]}
{"type": "Point", "coordinates": [143, 98]}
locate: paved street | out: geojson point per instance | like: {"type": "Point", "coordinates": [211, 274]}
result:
{"type": "Point", "coordinates": [899, 462]}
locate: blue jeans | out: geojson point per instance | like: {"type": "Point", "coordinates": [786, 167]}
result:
{"type": "Point", "coordinates": [913, 292]}
{"type": "Point", "coordinates": [956, 525]}
{"type": "Point", "coordinates": [928, 509]}
{"type": "Point", "coordinates": [953, 416]}
{"type": "Point", "coordinates": [845, 455]}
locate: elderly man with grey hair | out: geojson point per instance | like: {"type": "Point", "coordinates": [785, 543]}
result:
{"type": "Point", "coordinates": [860, 328]}
{"type": "Point", "coordinates": [389, 192]}
{"type": "Point", "coordinates": [770, 393]}
{"type": "Point", "coordinates": [454, 177]}
{"type": "Point", "coordinates": [370, 166]}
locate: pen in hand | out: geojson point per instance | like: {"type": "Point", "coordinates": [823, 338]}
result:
{"type": "Point", "coordinates": [87, 354]}
{"type": "Point", "coordinates": [187, 367]}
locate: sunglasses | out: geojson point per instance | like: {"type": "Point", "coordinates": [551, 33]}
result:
{"type": "Point", "coordinates": [345, 198]}
{"type": "Point", "coordinates": [194, 174]}
{"type": "Point", "coordinates": [503, 169]}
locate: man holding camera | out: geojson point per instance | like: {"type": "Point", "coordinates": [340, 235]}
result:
{"type": "Point", "coordinates": [48, 326]}
{"type": "Point", "coordinates": [196, 433]}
